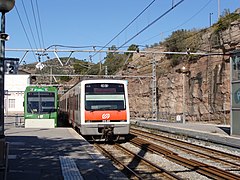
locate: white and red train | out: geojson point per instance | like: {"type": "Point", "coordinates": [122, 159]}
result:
{"type": "Point", "coordinates": [98, 109]}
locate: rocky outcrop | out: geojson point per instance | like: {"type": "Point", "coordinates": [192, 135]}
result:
{"type": "Point", "coordinates": [205, 87]}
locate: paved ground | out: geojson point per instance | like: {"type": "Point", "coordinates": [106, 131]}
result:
{"type": "Point", "coordinates": [58, 153]}
{"type": "Point", "coordinates": [211, 132]}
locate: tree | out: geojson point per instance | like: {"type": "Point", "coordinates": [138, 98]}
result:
{"type": "Point", "coordinates": [181, 41]}
{"type": "Point", "coordinates": [225, 20]}
{"type": "Point", "coordinates": [114, 60]}
{"type": "Point", "coordinates": [81, 66]}
{"type": "Point", "coordinates": [111, 54]}
{"type": "Point", "coordinates": [133, 47]}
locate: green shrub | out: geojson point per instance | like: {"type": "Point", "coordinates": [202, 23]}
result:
{"type": "Point", "coordinates": [225, 21]}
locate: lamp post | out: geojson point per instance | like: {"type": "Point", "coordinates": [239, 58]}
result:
{"type": "Point", "coordinates": [5, 6]}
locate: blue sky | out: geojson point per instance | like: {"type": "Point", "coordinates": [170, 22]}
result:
{"type": "Point", "coordinates": [95, 23]}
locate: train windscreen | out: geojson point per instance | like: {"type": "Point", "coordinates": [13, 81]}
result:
{"type": "Point", "coordinates": [104, 96]}
{"type": "Point", "coordinates": [40, 102]}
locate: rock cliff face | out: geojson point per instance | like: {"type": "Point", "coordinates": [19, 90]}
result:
{"type": "Point", "coordinates": [203, 91]}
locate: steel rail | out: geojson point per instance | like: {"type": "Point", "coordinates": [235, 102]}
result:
{"type": "Point", "coordinates": [106, 153]}
{"type": "Point", "coordinates": [202, 168]}
{"type": "Point", "coordinates": [168, 174]}
{"type": "Point", "coordinates": [188, 146]}
{"type": "Point", "coordinates": [159, 170]}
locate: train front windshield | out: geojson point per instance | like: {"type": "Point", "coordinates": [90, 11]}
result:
{"type": "Point", "coordinates": [104, 96]}
{"type": "Point", "coordinates": [40, 102]}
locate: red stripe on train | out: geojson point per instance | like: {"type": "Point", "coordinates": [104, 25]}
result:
{"type": "Point", "coordinates": [105, 115]}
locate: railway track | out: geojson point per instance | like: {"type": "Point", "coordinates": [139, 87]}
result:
{"type": "Point", "coordinates": [208, 170]}
{"type": "Point", "coordinates": [135, 166]}
{"type": "Point", "coordinates": [231, 161]}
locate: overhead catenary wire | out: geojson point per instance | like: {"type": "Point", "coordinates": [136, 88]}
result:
{"type": "Point", "coordinates": [185, 22]}
{"type": "Point", "coordinates": [121, 51]}
{"type": "Point", "coordinates": [91, 46]}
{"type": "Point", "coordinates": [103, 46]}
{"type": "Point", "coordinates": [125, 27]}
{"type": "Point", "coordinates": [165, 13]}
{"type": "Point", "coordinates": [35, 22]}
{"type": "Point", "coordinates": [69, 46]}
{"type": "Point", "coordinates": [203, 30]}
{"type": "Point", "coordinates": [29, 24]}
{"type": "Point", "coordinates": [25, 32]}
{"type": "Point", "coordinates": [169, 10]}
{"type": "Point", "coordinates": [153, 22]}
{"type": "Point", "coordinates": [40, 24]}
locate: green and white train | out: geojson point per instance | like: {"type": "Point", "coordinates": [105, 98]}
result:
{"type": "Point", "coordinates": [40, 106]}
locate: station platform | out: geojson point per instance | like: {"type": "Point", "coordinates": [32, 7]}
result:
{"type": "Point", "coordinates": [210, 132]}
{"type": "Point", "coordinates": [54, 154]}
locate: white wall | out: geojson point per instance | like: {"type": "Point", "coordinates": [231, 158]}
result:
{"type": "Point", "coordinates": [15, 84]}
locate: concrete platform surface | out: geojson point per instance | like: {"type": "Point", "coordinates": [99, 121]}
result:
{"type": "Point", "coordinates": [54, 154]}
{"type": "Point", "coordinates": [210, 132]}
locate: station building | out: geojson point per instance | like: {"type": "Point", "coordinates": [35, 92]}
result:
{"type": "Point", "coordinates": [15, 85]}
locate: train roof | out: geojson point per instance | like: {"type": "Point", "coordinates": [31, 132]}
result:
{"type": "Point", "coordinates": [39, 88]}
{"type": "Point", "coordinates": [103, 81]}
